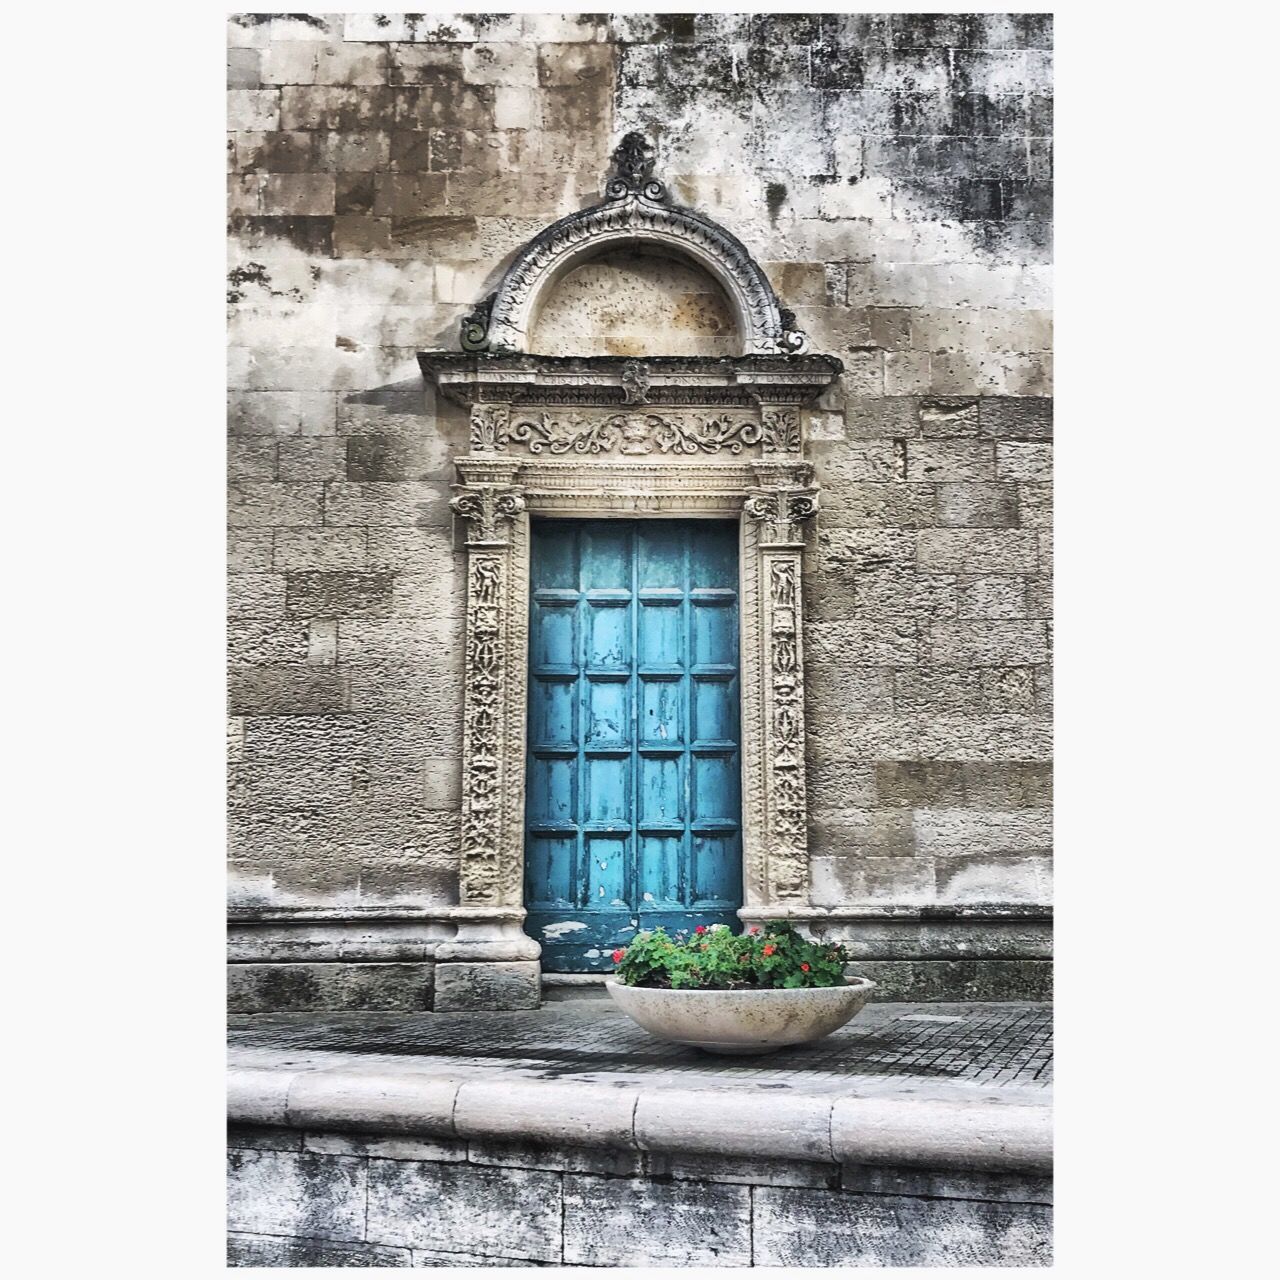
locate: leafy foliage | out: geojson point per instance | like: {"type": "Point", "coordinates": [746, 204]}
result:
{"type": "Point", "coordinates": [719, 960]}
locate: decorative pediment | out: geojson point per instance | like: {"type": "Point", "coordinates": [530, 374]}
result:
{"type": "Point", "coordinates": [636, 212]}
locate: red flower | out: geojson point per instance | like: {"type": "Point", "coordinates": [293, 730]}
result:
{"type": "Point", "coordinates": [755, 928]}
{"type": "Point", "coordinates": [617, 955]}
{"type": "Point", "coordinates": [805, 967]}
{"type": "Point", "coordinates": [702, 928]}
{"type": "Point", "coordinates": [770, 949]}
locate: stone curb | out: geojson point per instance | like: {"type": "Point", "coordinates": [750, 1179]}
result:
{"type": "Point", "coordinates": [830, 1127]}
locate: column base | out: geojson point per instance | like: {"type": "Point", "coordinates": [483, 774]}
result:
{"type": "Point", "coordinates": [499, 985]}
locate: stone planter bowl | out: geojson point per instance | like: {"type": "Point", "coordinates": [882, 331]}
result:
{"type": "Point", "coordinates": [742, 1022]}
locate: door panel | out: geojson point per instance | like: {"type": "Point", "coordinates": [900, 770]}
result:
{"type": "Point", "coordinates": [633, 815]}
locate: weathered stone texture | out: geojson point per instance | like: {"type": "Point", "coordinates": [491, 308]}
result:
{"type": "Point", "coordinates": [513, 1213]}
{"type": "Point", "coordinates": [272, 987]}
{"type": "Point", "coordinates": [247, 1250]}
{"type": "Point", "coordinates": [892, 174]}
{"type": "Point", "coordinates": [799, 1228]}
{"type": "Point", "coordinates": [508, 985]}
{"type": "Point", "coordinates": [680, 1224]}
{"type": "Point", "coordinates": [317, 1198]}
{"type": "Point", "coordinates": [286, 1193]}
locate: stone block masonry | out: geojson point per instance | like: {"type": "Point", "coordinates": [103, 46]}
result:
{"type": "Point", "coordinates": [892, 173]}
{"type": "Point", "coordinates": [316, 1198]}
{"type": "Point", "coordinates": [917, 1135]}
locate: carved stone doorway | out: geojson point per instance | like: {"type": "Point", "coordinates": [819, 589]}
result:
{"type": "Point", "coordinates": [604, 437]}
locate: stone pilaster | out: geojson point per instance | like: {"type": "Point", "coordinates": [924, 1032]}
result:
{"type": "Point", "coordinates": [490, 963]}
{"type": "Point", "coordinates": [779, 510]}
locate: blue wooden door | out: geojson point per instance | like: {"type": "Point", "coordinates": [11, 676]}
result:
{"type": "Point", "coordinates": [633, 808]}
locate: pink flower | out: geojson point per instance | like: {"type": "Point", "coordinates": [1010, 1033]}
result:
{"type": "Point", "coordinates": [805, 967]}
{"type": "Point", "coordinates": [702, 928]}
{"type": "Point", "coordinates": [617, 955]}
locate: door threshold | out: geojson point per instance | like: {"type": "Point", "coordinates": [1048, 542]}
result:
{"type": "Point", "coordinates": [557, 987]}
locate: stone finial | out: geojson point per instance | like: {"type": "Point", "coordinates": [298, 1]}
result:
{"type": "Point", "coordinates": [633, 160]}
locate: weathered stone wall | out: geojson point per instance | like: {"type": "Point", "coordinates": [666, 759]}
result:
{"type": "Point", "coordinates": [304, 1199]}
{"type": "Point", "coordinates": [891, 173]}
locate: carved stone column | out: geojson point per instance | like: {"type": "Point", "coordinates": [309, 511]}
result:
{"type": "Point", "coordinates": [776, 514]}
{"type": "Point", "coordinates": [491, 963]}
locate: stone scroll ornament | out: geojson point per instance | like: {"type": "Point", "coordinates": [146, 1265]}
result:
{"type": "Point", "coordinates": [780, 516]}
{"type": "Point", "coordinates": [489, 511]}
{"type": "Point", "coordinates": [636, 207]}
{"type": "Point", "coordinates": [631, 433]}
{"type": "Point", "coordinates": [495, 428]}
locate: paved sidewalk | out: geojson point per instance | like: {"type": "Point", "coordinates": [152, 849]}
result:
{"type": "Point", "coordinates": [990, 1046]}
{"type": "Point", "coordinates": [963, 1086]}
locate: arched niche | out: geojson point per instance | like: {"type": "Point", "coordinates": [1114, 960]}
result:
{"type": "Point", "coordinates": [635, 301]}
{"type": "Point", "coordinates": [637, 217]}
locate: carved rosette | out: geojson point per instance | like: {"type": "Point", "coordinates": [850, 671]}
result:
{"type": "Point", "coordinates": [490, 511]}
{"type": "Point", "coordinates": [779, 516]}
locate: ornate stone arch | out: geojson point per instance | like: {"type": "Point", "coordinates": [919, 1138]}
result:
{"type": "Point", "coordinates": [634, 213]}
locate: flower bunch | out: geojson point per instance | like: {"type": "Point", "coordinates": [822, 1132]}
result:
{"type": "Point", "coordinates": [717, 959]}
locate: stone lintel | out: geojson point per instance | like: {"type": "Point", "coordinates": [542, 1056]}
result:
{"type": "Point", "coordinates": [763, 380]}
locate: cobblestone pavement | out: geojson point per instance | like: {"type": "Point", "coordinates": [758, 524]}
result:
{"type": "Point", "coordinates": [992, 1046]}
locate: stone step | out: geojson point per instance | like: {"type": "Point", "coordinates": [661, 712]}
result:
{"type": "Point", "coordinates": [559, 987]}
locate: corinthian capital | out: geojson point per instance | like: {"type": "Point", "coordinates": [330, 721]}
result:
{"type": "Point", "coordinates": [781, 514]}
{"type": "Point", "coordinates": [489, 510]}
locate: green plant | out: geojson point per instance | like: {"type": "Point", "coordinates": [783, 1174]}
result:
{"type": "Point", "coordinates": [718, 960]}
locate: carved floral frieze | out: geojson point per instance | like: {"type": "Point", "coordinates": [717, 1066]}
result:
{"type": "Point", "coordinates": [496, 428]}
{"type": "Point", "coordinates": [634, 433]}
